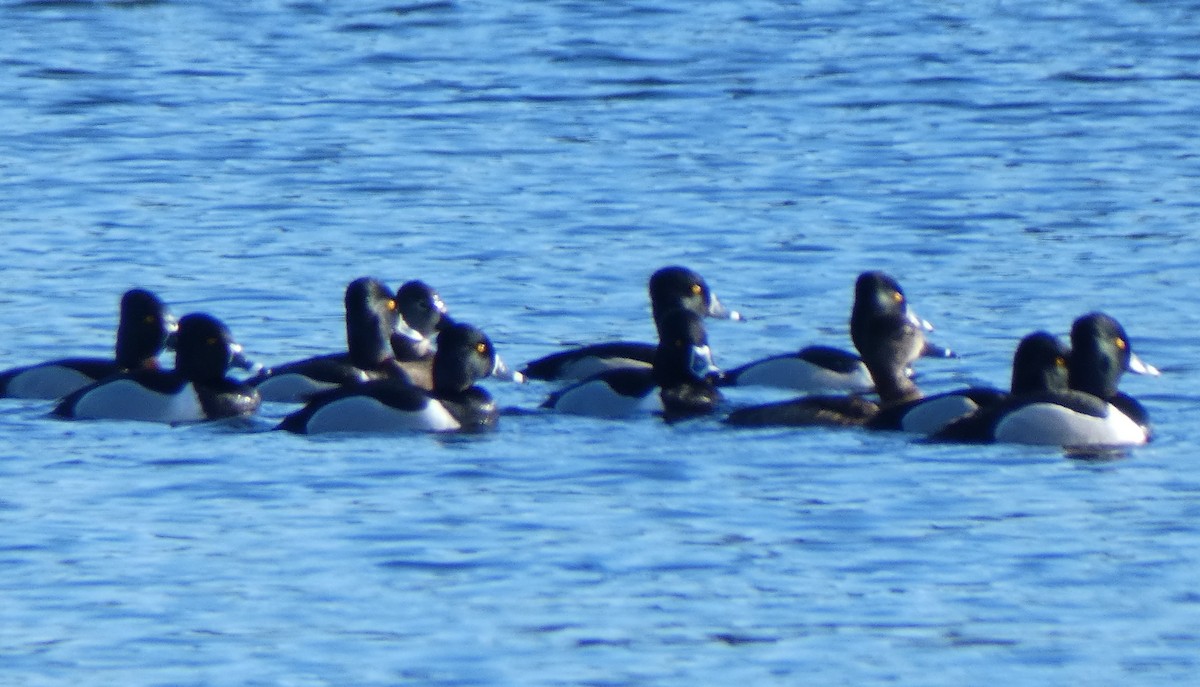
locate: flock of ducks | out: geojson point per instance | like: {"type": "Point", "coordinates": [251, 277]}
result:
{"type": "Point", "coordinates": [409, 366]}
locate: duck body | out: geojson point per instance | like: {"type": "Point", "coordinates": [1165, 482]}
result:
{"type": "Point", "coordinates": [1086, 411]}
{"type": "Point", "coordinates": [1064, 418]}
{"type": "Point", "coordinates": [681, 371]}
{"type": "Point", "coordinates": [143, 329]}
{"type": "Point", "coordinates": [372, 316]}
{"type": "Point", "coordinates": [196, 390]}
{"type": "Point", "coordinates": [386, 405]}
{"type": "Point", "coordinates": [888, 337]}
{"type": "Point", "coordinates": [464, 356]}
{"type": "Point", "coordinates": [1039, 365]}
{"type": "Point", "coordinates": [670, 288]}
{"type": "Point", "coordinates": [813, 369]}
{"type": "Point", "coordinates": [611, 393]}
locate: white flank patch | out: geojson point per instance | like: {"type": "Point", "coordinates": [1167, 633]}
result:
{"type": "Point", "coordinates": [801, 375]}
{"type": "Point", "coordinates": [1054, 425]}
{"type": "Point", "coordinates": [367, 414]}
{"type": "Point", "coordinates": [934, 414]}
{"type": "Point", "coordinates": [291, 388]}
{"type": "Point", "coordinates": [47, 382]}
{"type": "Point", "coordinates": [127, 400]}
{"type": "Point", "coordinates": [597, 399]}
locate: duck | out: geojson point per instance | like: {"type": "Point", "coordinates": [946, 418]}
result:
{"type": "Point", "coordinates": [819, 369]}
{"type": "Point", "coordinates": [424, 313]}
{"type": "Point", "coordinates": [198, 389]}
{"type": "Point", "coordinates": [888, 337]}
{"type": "Point", "coordinates": [464, 356]}
{"type": "Point", "coordinates": [682, 371]}
{"type": "Point", "coordinates": [1089, 413]}
{"type": "Point", "coordinates": [144, 327]}
{"type": "Point", "coordinates": [372, 317]}
{"type": "Point", "coordinates": [670, 288]}
{"type": "Point", "coordinates": [1039, 365]}
{"type": "Point", "coordinates": [1100, 355]}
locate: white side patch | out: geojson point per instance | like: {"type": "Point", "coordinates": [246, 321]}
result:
{"type": "Point", "coordinates": [597, 399]}
{"type": "Point", "coordinates": [47, 382]}
{"type": "Point", "coordinates": [1053, 425]}
{"type": "Point", "coordinates": [291, 388]}
{"type": "Point", "coordinates": [932, 415]}
{"type": "Point", "coordinates": [366, 414]}
{"type": "Point", "coordinates": [801, 375]}
{"type": "Point", "coordinates": [127, 400]}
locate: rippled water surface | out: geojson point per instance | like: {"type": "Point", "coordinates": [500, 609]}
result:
{"type": "Point", "coordinates": [1014, 164]}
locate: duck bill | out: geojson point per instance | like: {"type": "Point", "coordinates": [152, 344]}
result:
{"type": "Point", "coordinates": [171, 324]}
{"type": "Point", "coordinates": [932, 350]}
{"type": "Point", "coordinates": [502, 371]}
{"type": "Point", "coordinates": [915, 320]}
{"type": "Point", "coordinates": [1138, 367]}
{"type": "Point", "coordinates": [444, 319]}
{"type": "Point", "coordinates": [240, 361]}
{"type": "Point", "coordinates": [718, 311]}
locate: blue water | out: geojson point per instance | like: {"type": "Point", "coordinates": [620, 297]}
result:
{"type": "Point", "coordinates": [1014, 164]}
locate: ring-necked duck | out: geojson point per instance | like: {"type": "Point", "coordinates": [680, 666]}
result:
{"type": "Point", "coordinates": [670, 288]}
{"type": "Point", "coordinates": [1039, 365]}
{"type": "Point", "coordinates": [1091, 413]}
{"type": "Point", "coordinates": [888, 337]}
{"type": "Point", "coordinates": [142, 332]}
{"type": "Point", "coordinates": [819, 369]}
{"type": "Point", "coordinates": [464, 356]}
{"type": "Point", "coordinates": [1100, 354]}
{"type": "Point", "coordinates": [422, 309]}
{"type": "Point", "coordinates": [682, 372]}
{"type": "Point", "coordinates": [372, 316]}
{"type": "Point", "coordinates": [197, 389]}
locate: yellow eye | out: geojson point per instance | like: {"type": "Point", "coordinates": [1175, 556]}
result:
{"type": "Point", "coordinates": [897, 296]}
{"type": "Point", "coordinates": [213, 341]}
{"type": "Point", "coordinates": [391, 305]}
{"type": "Point", "coordinates": [1121, 343]}
{"type": "Point", "coordinates": [697, 289]}
{"type": "Point", "coordinates": [1060, 361]}
{"type": "Point", "coordinates": [481, 348]}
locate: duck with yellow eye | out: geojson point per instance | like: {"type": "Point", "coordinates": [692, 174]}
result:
{"type": "Point", "coordinates": [372, 317]}
{"type": "Point", "coordinates": [144, 328]}
{"type": "Point", "coordinates": [888, 337]}
{"type": "Point", "coordinates": [197, 389]}
{"type": "Point", "coordinates": [1090, 413]}
{"type": "Point", "coordinates": [682, 374]}
{"type": "Point", "coordinates": [464, 356]}
{"type": "Point", "coordinates": [671, 288]}
{"type": "Point", "coordinates": [1039, 367]}
{"type": "Point", "coordinates": [827, 369]}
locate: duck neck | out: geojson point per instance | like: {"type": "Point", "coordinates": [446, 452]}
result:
{"type": "Point", "coordinates": [892, 384]}
{"type": "Point", "coordinates": [1093, 373]}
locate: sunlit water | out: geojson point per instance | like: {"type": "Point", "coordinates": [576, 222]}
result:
{"type": "Point", "coordinates": [1013, 164]}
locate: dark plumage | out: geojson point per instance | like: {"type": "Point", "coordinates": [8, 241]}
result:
{"type": "Point", "coordinates": [682, 371]}
{"type": "Point", "coordinates": [196, 389]}
{"type": "Point", "coordinates": [888, 337]}
{"type": "Point", "coordinates": [1090, 413]}
{"type": "Point", "coordinates": [464, 355]}
{"type": "Point", "coordinates": [372, 316]}
{"type": "Point", "coordinates": [143, 329]}
{"type": "Point", "coordinates": [670, 288]}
